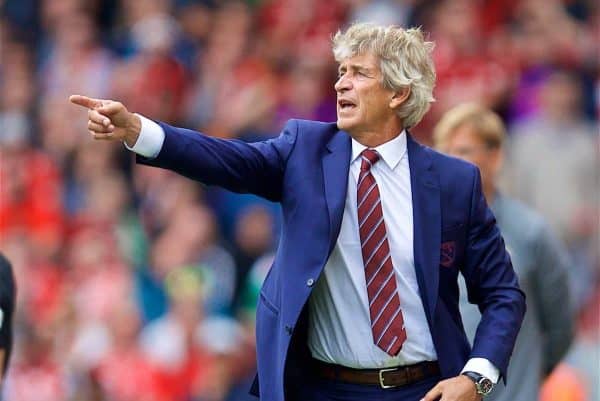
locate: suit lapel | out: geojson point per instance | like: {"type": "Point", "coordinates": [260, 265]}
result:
{"type": "Point", "coordinates": [427, 218]}
{"type": "Point", "coordinates": [336, 165]}
{"type": "Point", "coordinates": [427, 223]}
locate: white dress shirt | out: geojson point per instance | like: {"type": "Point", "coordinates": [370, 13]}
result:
{"type": "Point", "coordinates": [339, 321]}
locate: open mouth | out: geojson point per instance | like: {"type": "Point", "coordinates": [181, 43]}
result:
{"type": "Point", "coordinates": [346, 104]}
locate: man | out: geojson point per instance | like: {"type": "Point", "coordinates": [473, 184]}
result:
{"type": "Point", "coordinates": [7, 307]}
{"type": "Point", "coordinates": [477, 135]}
{"type": "Point", "coordinates": [356, 307]}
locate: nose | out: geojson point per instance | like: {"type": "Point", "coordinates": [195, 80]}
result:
{"type": "Point", "coordinates": [343, 84]}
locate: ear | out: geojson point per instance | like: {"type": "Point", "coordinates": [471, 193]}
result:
{"type": "Point", "coordinates": [498, 161]}
{"type": "Point", "coordinates": [399, 97]}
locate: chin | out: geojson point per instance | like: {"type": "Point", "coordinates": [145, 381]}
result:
{"type": "Point", "coordinates": [344, 124]}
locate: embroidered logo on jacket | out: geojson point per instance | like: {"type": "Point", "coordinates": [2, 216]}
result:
{"type": "Point", "coordinates": [448, 251]}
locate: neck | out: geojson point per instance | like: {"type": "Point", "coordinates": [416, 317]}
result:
{"type": "Point", "coordinates": [489, 191]}
{"type": "Point", "coordinates": [374, 138]}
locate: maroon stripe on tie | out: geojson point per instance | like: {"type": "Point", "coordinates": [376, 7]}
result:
{"type": "Point", "coordinates": [395, 327]}
{"type": "Point", "coordinates": [371, 273]}
{"type": "Point", "coordinates": [392, 331]}
{"type": "Point", "coordinates": [371, 192]}
{"type": "Point", "coordinates": [380, 290]}
{"type": "Point", "coordinates": [373, 240]}
{"type": "Point", "coordinates": [383, 250]}
{"type": "Point", "coordinates": [383, 308]}
{"type": "Point", "coordinates": [387, 322]}
{"type": "Point", "coordinates": [369, 223]}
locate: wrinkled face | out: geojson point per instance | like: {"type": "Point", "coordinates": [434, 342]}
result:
{"type": "Point", "coordinates": [363, 104]}
{"type": "Point", "coordinates": [465, 144]}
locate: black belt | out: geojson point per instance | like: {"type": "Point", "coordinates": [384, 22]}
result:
{"type": "Point", "coordinates": [386, 378]}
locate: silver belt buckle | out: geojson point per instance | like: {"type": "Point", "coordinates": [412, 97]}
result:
{"type": "Point", "coordinates": [381, 372]}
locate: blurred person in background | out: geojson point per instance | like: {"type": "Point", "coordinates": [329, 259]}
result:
{"type": "Point", "coordinates": [385, 85]}
{"type": "Point", "coordinates": [72, 55]}
{"type": "Point", "coordinates": [225, 48]}
{"type": "Point", "coordinates": [16, 94]}
{"type": "Point", "coordinates": [120, 369]}
{"type": "Point", "coordinates": [97, 272]}
{"type": "Point", "coordinates": [553, 166]}
{"type": "Point", "coordinates": [8, 294]}
{"type": "Point", "coordinates": [381, 12]}
{"type": "Point", "coordinates": [543, 37]}
{"type": "Point", "coordinates": [30, 180]}
{"type": "Point", "coordinates": [476, 134]}
{"type": "Point", "coordinates": [189, 239]}
{"type": "Point", "coordinates": [151, 79]}
{"type": "Point", "coordinates": [183, 367]}
{"type": "Point", "coordinates": [466, 69]}
{"type": "Point", "coordinates": [160, 194]}
{"type": "Point", "coordinates": [233, 359]}
{"type": "Point", "coordinates": [36, 362]}
{"type": "Point", "coordinates": [253, 239]}
{"type": "Point", "coordinates": [294, 29]}
{"type": "Point", "coordinates": [302, 94]}
{"type": "Point", "coordinates": [216, 265]}
{"type": "Point", "coordinates": [247, 303]}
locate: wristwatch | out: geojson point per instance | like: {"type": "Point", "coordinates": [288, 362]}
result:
{"type": "Point", "coordinates": [483, 384]}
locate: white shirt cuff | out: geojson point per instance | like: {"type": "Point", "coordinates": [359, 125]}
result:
{"type": "Point", "coordinates": [483, 367]}
{"type": "Point", "coordinates": [150, 140]}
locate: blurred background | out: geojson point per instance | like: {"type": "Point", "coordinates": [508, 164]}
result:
{"type": "Point", "coordinates": [137, 284]}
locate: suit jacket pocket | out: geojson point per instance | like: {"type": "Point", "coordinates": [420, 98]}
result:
{"type": "Point", "coordinates": [268, 304]}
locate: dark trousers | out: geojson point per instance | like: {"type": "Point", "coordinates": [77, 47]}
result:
{"type": "Point", "coordinates": [318, 389]}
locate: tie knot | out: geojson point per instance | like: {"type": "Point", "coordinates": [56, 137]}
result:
{"type": "Point", "coordinates": [369, 158]}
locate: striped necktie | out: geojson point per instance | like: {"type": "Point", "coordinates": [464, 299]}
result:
{"type": "Point", "coordinates": [387, 323]}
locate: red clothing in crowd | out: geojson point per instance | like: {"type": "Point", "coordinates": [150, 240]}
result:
{"type": "Point", "coordinates": [30, 194]}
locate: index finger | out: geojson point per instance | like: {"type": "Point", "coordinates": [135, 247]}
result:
{"type": "Point", "coordinates": [85, 101]}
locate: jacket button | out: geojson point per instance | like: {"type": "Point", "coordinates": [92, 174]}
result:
{"type": "Point", "coordinates": [310, 282]}
{"type": "Point", "coordinates": [289, 330]}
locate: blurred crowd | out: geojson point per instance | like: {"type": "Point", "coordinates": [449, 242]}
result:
{"type": "Point", "coordinates": [137, 284]}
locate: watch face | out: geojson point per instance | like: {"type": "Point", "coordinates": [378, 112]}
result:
{"type": "Point", "coordinates": [485, 385]}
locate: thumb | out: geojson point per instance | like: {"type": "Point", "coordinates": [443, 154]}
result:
{"type": "Point", "coordinates": [111, 108]}
{"type": "Point", "coordinates": [85, 101]}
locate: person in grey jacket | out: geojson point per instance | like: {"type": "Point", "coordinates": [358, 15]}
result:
{"type": "Point", "coordinates": [476, 134]}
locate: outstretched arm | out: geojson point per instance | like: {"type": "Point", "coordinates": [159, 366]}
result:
{"type": "Point", "coordinates": [238, 166]}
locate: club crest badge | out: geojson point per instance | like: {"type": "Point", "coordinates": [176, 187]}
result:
{"type": "Point", "coordinates": [448, 251]}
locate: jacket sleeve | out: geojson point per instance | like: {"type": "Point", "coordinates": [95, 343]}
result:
{"type": "Point", "coordinates": [238, 166]}
{"type": "Point", "coordinates": [491, 284]}
{"type": "Point", "coordinates": [551, 294]}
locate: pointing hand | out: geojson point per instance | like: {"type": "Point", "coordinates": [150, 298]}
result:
{"type": "Point", "coordinates": [110, 120]}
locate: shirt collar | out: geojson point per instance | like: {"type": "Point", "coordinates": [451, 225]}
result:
{"type": "Point", "coordinates": [391, 152]}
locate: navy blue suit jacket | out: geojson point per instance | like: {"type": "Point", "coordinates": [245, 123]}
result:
{"type": "Point", "coordinates": [305, 169]}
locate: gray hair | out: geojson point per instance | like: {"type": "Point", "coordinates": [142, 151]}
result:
{"type": "Point", "coordinates": [405, 62]}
